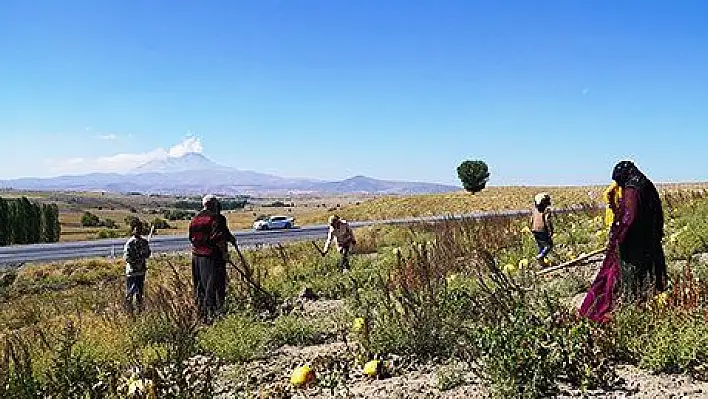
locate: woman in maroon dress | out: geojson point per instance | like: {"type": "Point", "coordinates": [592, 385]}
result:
{"type": "Point", "coordinates": [634, 256]}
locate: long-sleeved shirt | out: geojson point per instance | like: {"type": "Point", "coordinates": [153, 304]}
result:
{"type": "Point", "coordinates": [627, 213]}
{"type": "Point", "coordinates": [343, 235]}
{"type": "Point", "coordinates": [209, 233]}
{"type": "Point", "coordinates": [135, 253]}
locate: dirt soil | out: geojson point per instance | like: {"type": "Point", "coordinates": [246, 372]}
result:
{"type": "Point", "coordinates": [269, 377]}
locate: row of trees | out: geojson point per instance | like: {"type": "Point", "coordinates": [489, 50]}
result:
{"type": "Point", "coordinates": [26, 222]}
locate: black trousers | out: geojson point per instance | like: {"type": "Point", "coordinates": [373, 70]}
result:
{"type": "Point", "coordinates": [544, 243]}
{"type": "Point", "coordinates": [134, 288]}
{"type": "Point", "coordinates": [344, 257]}
{"type": "Point", "coordinates": [209, 279]}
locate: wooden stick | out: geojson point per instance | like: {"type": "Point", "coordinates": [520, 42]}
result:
{"type": "Point", "coordinates": [250, 281]}
{"type": "Point", "coordinates": [570, 262]}
{"type": "Point", "coordinates": [318, 248]}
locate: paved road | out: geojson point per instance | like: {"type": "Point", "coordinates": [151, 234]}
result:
{"type": "Point", "coordinates": [19, 254]}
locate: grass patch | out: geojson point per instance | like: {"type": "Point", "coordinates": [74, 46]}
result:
{"type": "Point", "coordinates": [424, 292]}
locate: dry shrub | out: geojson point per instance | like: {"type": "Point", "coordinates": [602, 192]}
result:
{"type": "Point", "coordinates": [448, 297]}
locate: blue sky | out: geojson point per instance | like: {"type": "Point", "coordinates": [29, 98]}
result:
{"type": "Point", "coordinates": [547, 92]}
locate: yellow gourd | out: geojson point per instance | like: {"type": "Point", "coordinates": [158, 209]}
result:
{"type": "Point", "coordinates": [371, 368]}
{"type": "Point", "coordinates": [510, 268]}
{"type": "Point", "coordinates": [302, 375]}
{"type": "Point", "coordinates": [358, 324]}
{"type": "Point", "coordinates": [662, 299]}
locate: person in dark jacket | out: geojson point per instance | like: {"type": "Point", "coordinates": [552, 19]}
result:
{"type": "Point", "coordinates": [209, 235]}
{"type": "Point", "coordinates": [639, 229]}
{"type": "Point", "coordinates": [634, 258]}
{"type": "Point", "coordinates": [135, 253]}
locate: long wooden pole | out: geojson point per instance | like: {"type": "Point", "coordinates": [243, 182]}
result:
{"type": "Point", "coordinates": [318, 248]}
{"type": "Point", "coordinates": [570, 262]}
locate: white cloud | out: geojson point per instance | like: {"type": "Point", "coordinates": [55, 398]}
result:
{"type": "Point", "coordinates": [189, 144]}
{"type": "Point", "coordinates": [107, 137]}
{"type": "Point", "coordinates": [120, 163]}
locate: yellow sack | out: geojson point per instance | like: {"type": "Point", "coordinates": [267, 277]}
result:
{"type": "Point", "coordinates": [613, 193]}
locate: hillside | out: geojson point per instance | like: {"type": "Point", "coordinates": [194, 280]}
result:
{"type": "Point", "coordinates": [490, 199]}
{"type": "Point", "coordinates": [195, 174]}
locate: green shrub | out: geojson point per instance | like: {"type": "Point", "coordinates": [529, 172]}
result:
{"type": "Point", "coordinates": [292, 330]}
{"type": "Point", "coordinates": [17, 380]}
{"type": "Point", "coordinates": [109, 224]}
{"type": "Point", "coordinates": [667, 342]}
{"type": "Point", "coordinates": [75, 374]}
{"type": "Point", "coordinates": [159, 223]}
{"type": "Point", "coordinates": [450, 377]}
{"type": "Point", "coordinates": [89, 220]}
{"type": "Point", "coordinates": [236, 338]}
{"type": "Point", "coordinates": [525, 355]}
{"type": "Point", "coordinates": [104, 233]}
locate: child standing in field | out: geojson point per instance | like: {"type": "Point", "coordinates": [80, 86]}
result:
{"type": "Point", "coordinates": [136, 252]}
{"type": "Point", "coordinates": [542, 226]}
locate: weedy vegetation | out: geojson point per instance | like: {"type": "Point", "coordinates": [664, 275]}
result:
{"type": "Point", "coordinates": [462, 295]}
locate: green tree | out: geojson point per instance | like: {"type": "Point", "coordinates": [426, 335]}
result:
{"type": "Point", "coordinates": [34, 221]}
{"type": "Point", "coordinates": [21, 215]}
{"type": "Point", "coordinates": [160, 223]}
{"type": "Point", "coordinates": [56, 228]}
{"type": "Point", "coordinates": [51, 228]}
{"type": "Point", "coordinates": [474, 175]}
{"type": "Point", "coordinates": [109, 223]}
{"type": "Point", "coordinates": [131, 221]}
{"type": "Point", "coordinates": [90, 220]}
{"type": "Point", "coordinates": [12, 232]}
{"type": "Point", "coordinates": [4, 223]}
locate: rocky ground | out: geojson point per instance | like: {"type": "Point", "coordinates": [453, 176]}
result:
{"type": "Point", "coordinates": [269, 377]}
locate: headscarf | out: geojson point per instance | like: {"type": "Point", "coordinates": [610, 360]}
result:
{"type": "Point", "coordinates": [626, 174]}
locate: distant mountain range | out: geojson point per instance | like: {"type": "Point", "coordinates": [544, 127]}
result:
{"type": "Point", "coordinates": [195, 174]}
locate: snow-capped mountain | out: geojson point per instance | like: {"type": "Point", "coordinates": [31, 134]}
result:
{"type": "Point", "coordinates": [193, 173]}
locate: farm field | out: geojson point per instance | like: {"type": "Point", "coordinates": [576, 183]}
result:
{"type": "Point", "coordinates": [450, 310]}
{"type": "Point", "coordinates": [118, 207]}
{"type": "Point", "coordinates": [310, 210]}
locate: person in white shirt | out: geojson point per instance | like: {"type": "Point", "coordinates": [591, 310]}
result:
{"type": "Point", "coordinates": [340, 232]}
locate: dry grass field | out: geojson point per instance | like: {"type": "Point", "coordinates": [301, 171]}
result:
{"type": "Point", "coordinates": [431, 303]}
{"type": "Point", "coordinates": [118, 207]}
{"type": "Point", "coordinates": [490, 199]}
{"type": "Point", "coordinates": [310, 209]}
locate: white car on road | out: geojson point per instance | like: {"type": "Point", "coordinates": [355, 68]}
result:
{"type": "Point", "coordinates": [274, 222]}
